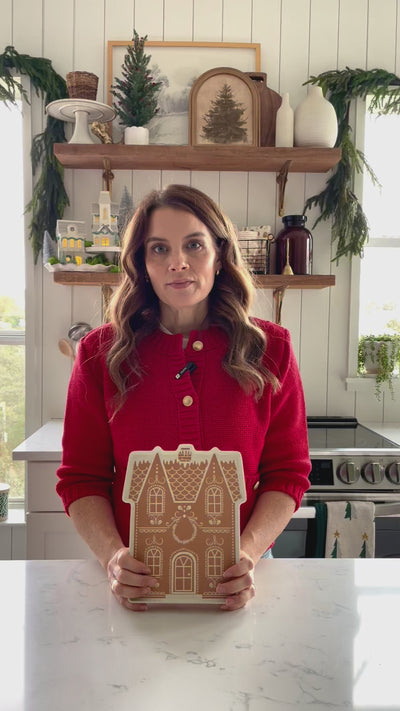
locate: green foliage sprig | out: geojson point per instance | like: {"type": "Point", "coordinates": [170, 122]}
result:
{"type": "Point", "coordinates": [384, 352]}
{"type": "Point", "coordinates": [49, 198]}
{"type": "Point", "coordinates": [137, 92]}
{"type": "Point", "coordinates": [338, 201]}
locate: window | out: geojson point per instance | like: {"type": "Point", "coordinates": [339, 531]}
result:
{"type": "Point", "coordinates": [156, 500]}
{"type": "Point", "coordinates": [12, 298]}
{"type": "Point", "coordinates": [154, 561]}
{"type": "Point", "coordinates": [214, 500]}
{"type": "Point", "coordinates": [215, 563]}
{"type": "Point", "coordinates": [380, 268]}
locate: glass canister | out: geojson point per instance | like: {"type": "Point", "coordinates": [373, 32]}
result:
{"type": "Point", "coordinates": [294, 246]}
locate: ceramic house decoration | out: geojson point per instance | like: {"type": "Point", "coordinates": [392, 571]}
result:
{"type": "Point", "coordinates": [105, 223]}
{"type": "Point", "coordinates": [185, 519]}
{"type": "Point", "coordinates": [71, 235]}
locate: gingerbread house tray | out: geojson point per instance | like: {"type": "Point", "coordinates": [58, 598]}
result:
{"type": "Point", "coordinates": [185, 519]}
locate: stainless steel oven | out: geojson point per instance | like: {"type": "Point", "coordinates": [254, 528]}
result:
{"type": "Point", "coordinates": [353, 463]}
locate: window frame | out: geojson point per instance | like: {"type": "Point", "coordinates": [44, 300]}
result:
{"type": "Point", "coordinates": [26, 337]}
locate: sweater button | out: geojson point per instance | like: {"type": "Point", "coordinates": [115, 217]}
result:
{"type": "Point", "coordinates": [197, 345]}
{"type": "Point", "coordinates": [187, 401]}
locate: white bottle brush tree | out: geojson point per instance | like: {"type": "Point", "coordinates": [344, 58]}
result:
{"type": "Point", "coordinates": [136, 94]}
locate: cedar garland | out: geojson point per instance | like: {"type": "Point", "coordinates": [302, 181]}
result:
{"type": "Point", "coordinates": [337, 200]}
{"type": "Point", "coordinates": [49, 198]}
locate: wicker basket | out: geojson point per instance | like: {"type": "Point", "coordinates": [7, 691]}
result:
{"type": "Point", "coordinates": [82, 85]}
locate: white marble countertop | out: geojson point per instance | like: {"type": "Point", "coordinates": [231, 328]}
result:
{"type": "Point", "coordinates": [320, 634]}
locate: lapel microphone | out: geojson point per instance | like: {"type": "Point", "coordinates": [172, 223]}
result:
{"type": "Point", "coordinates": [190, 367]}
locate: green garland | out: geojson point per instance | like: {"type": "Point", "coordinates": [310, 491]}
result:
{"type": "Point", "coordinates": [49, 198]}
{"type": "Point", "coordinates": [337, 200]}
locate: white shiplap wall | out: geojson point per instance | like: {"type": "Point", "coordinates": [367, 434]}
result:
{"type": "Point", "coordinates": [298, 38]}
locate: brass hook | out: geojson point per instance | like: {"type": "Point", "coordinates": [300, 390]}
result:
{"type": "Point", "coordinates": [281, 179]}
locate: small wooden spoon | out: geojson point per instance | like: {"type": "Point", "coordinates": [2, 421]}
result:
{"type": "Point", "coordinates": [287, 269]}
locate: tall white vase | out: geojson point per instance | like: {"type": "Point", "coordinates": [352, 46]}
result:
{"type": "Point", "coordinates": [136, 135]}
{"type": "Point", "coordinates": [284, 124]}
{"type": "Point", "coordinates": [315, 121]}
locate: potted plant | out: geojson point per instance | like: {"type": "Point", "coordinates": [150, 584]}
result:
{"type": "Point", "coordinates": [136, 94]}
{"type": "Point", "coordinates": [379, 356]}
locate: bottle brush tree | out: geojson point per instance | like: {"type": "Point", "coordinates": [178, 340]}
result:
{"type": "Point", "coordinates": [136, 93]}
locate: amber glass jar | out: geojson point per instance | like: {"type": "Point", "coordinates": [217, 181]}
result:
{"type": "Point", "coordinates": [294, 245]}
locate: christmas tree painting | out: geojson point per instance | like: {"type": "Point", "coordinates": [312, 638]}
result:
{"type": "Point", "coordinates": [126, 211]}
{"type": "Point", "coordinates": [224, 122]}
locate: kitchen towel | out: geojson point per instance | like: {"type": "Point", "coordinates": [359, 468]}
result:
{"type": "Point", "coordinates": [350, 529]}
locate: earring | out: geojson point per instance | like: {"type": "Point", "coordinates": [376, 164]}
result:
{"type": "Point", "coordinates": [217, 272]}
{"type": "Point", "coordinates": [146, 277]}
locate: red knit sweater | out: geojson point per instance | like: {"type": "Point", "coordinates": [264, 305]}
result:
{"type": "Point", "coordinates": [270, 434]}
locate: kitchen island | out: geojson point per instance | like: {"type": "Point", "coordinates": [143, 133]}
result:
{"type": "Point", "coordinates": [320, 634]}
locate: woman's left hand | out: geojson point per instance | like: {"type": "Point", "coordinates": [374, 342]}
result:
{"type": "Point", "coordinates": [238, 583]}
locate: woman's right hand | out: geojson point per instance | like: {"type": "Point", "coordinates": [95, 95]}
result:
{"type": "Point", "coordinates": [129, 579]}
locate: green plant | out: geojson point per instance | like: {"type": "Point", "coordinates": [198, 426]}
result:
{"type": "Point", "coordinates": [383, 351]}
{"type": "Point", "coordinates": [337, 201]}
{"type": "Point", "coordinates": [137, 92]}
{"type": "Point", "coordinates": [49, 198]}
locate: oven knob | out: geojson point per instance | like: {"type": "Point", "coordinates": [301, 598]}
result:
{"type": "Point", "coordinates": [372, 473]}
{"type": "Point", "coordinates": [348, 472]}
{"type": "Point", "coordinates": [393, 472]}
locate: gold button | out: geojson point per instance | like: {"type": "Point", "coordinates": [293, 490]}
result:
{"type": "Point", "coordinates": [197, 345]}
{"type": "Point", "coordinates": [256, 485]}
{"type": "Point", "coordinates": [187, 401]}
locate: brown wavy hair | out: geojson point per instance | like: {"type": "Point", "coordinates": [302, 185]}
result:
{"type": "Point", "coordinates": [135, 311]}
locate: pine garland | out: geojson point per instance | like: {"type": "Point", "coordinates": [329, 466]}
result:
{"type": "Point", "coordinates": [137, 92]}
{"type": "Point", "coordinates": [350, 227]}
{"type": "Point", "coordinates": [49, 198]}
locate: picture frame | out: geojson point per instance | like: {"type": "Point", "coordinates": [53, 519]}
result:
{"type": "Point", "coordinates": [181, 63]}
{"type": "Point", "coordinates": [224, 109]}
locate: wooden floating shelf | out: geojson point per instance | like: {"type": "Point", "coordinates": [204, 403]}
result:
{"type": "Point", "coordinates": [262, 281]}
{"type": "Point", "coordinates": [220, 158]}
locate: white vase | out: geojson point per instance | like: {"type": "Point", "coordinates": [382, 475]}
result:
{"type": "Point", "coordinates": [315, 121]}
{"type": "Point", "coordinates": [284, 124]}
{"type": "Point", "coordinates": [136, 135]}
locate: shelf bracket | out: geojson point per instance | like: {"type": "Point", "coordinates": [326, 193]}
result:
{"type": "Point", "coordinates": [281, 179]}
{"type": "Point", "coordinates": [278, 293]}
{"type": "Point", "coordinates": [106, 294]}
{"type": "Point", "coordinates": [108, 175]}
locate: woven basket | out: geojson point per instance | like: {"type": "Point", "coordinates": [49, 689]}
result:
{"type": "Point", "coordinates": [82, 85]}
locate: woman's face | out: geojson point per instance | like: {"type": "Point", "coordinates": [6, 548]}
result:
{"type": "Point", "coordinates": [181, 260]}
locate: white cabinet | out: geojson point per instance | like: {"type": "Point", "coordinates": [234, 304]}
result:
{"type": "Point", "coordinates": [50, 533]}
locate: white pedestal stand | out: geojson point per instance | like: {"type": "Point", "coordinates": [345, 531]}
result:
{"type": "Point", "coordinates": [82, 112]}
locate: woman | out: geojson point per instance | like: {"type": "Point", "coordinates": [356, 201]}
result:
{"type": "Point", "coordinates": [185, 298]}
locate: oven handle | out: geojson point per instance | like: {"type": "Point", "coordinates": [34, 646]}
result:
{"type": "Point", "coordinates": [384, 509]}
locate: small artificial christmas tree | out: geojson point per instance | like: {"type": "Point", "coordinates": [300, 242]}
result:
{"type": "Point", "coordinates": [137, 92]}
{"type": "Point", "coordinates": [224, 122]}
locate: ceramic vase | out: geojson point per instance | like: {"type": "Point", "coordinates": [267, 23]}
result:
{"type": "Point", "coordinates": [136, 135]}
{"type": "Point", "coordinates": [270, 102]}
{"type": "Point", "coordinates": [315, 121]}
{"type": "Point", "coordinates": [284, 124]}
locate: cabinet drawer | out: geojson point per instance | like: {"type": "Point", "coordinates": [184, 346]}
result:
{"type": "Point", "coordinates": [52, 536]}
{"type": "Point", "coordinates": [41, 487]}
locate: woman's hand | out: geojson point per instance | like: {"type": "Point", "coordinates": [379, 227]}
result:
{"type": "Point", "coordinates": [129, 578]}
{"type": "Point", "coordinates": [238, 584]}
